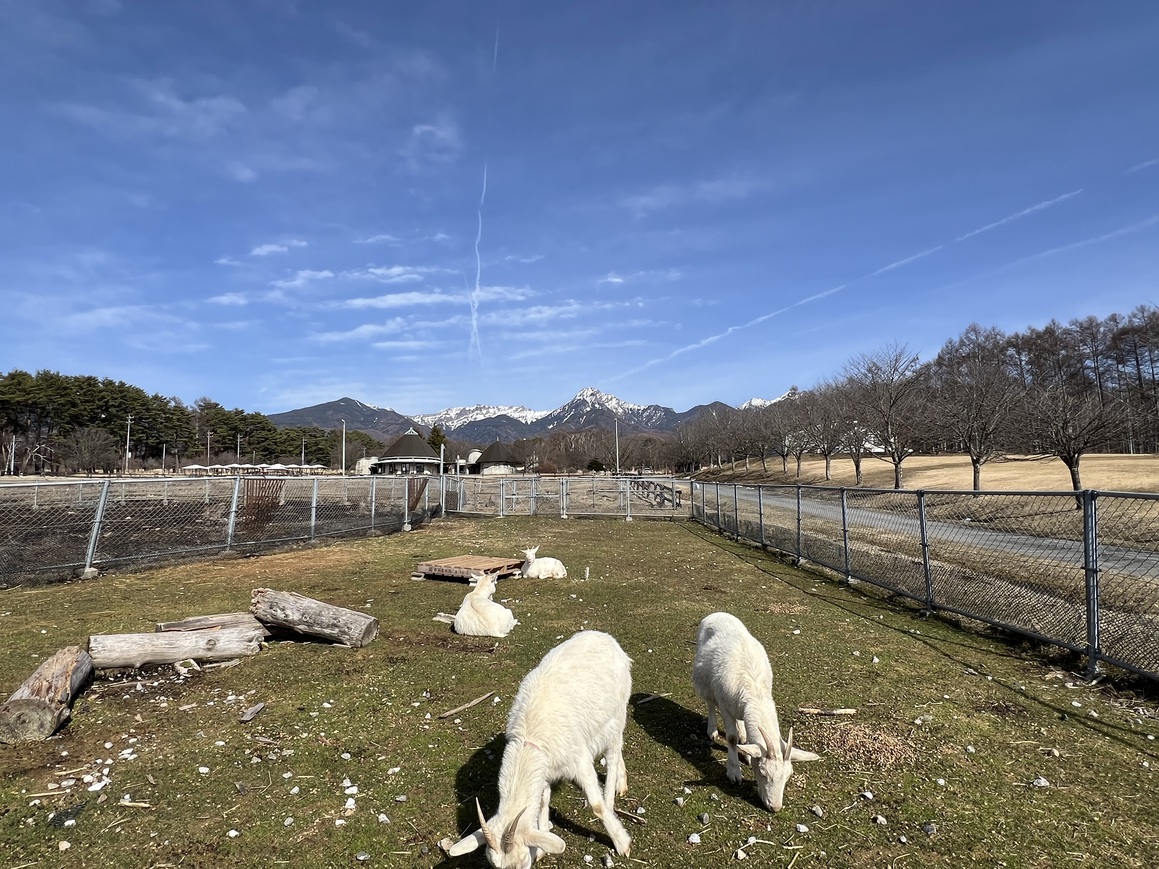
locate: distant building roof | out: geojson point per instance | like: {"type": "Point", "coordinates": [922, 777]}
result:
{"type": "Point", "coordinates": [499, 453]}
{"type": "Point", "coordinates": [410, 446]}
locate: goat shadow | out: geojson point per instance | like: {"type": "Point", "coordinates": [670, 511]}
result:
{"type": "Point", "coordinates": [479, 777]}
{"type": "Point", "coordinates": [683, 731]}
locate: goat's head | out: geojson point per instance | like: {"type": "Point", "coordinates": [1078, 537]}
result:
{"type": "Point", "coordinates": [529, 554]}
{"type": "Point", "coordinates": [484, 584]}
{"type": "Point", "coordinates": [516, 848]}
{"type": "Point", "coordinates": [772, 765]}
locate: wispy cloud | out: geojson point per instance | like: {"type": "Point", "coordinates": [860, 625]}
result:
{"type": "Point", "coordinates": [364, 332]}
{"type": "Point", "coordinates": [395, 274]}
{"type": "Point", "coordinates": [904, 262]}
{"type": "Point", "coordinates": [403, 300]}
{"type": "Point", "coordinates": [303, 277]}
{"type": "Point", "coordinates": [230, 299]}
{"type": "Point", "coordinates": [430, 144]}
{"type": "Point", "coordinates": [276, 247]}
{"type": "Point", "coordinates": [410, 344]}
{"type": "Point", "coordinates": [226, 261]}
{"type": "Point", "coordinates": [711, 191]}
{"type": "Point", "coordinates": [1139, 167]}
{"type": "Point", "coordinates": [647, 275]}
{"type": "Point", "coordinates": [153, 108]}
{"type": "Point", "coordinates": [382, 238]}
{"type": "Point", "coordinates": [1016, 215]}
{"type": "Point", "coordinates": [513, 258]}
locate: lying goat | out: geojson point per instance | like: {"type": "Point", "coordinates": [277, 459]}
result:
{"type": "Point", "coordinates": [569, 711]}
{"type": "Point", "coordinates": [479, 616]}
{"type": "Point", "coordinates": [542, 568]}
{"type": "Point", "coordinates": [731, 672]}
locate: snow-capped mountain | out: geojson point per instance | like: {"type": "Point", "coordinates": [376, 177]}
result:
{"type": "Point", "coordinates": [591, 408]}
{"type": "Point", "coordinates": [758, 403]}
{"type": "Point", "coordinates": [457, 417]}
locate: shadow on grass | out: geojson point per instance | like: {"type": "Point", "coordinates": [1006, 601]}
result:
{"type": "Point", "coordinates": [683, 731]}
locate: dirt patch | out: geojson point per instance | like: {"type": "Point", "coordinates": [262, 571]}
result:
{"type": "Point", "coordinates": [862, 746]}
{"type": "Point", "coordinates": [449, 642]}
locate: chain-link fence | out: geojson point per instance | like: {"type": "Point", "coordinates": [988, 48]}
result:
{"type": "Point", "coordinates": [49, 531]}
{"type": "Point", "coordinates": [1080, 571]}
{"type": "Point", "coordinates": [626, 497]}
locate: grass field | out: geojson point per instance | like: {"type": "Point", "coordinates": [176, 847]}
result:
{"type": "Point", "coordinates": [1113, 473]}
{"type": "Point", "coordinates": [952, 731]}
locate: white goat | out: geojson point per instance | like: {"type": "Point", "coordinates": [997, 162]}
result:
{"type": "Point", "coordinates": [569, 711]}
{"type": "Point", "coordinates": [731, 672]}
{"type": "Point", "coordinates": [542, 568]}
{"type": "Point", "coordinates": [479, 616]}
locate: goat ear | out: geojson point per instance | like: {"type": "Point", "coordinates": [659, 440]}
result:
{"type": "Point", "coordinates": [801, 754]}
{"type": "Point", "coordinates": [466, 845]}
{"type": "Point", "coordinates": [545, 841]}
{"type": "Point", "coordinates": [751, 750]}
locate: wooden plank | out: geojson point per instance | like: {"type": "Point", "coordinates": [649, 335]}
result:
{"type": "Point", "coordinates": [463, 566]}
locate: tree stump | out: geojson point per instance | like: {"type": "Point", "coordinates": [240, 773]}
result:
{"type": "Point", "coordinates": [110, 651]}
{"type": "Point", "coordinates": [44, 701]}
{"type": "Point", "coordinates": [221, 621]}
{"type": "Point", "coordinates": [308, 616]}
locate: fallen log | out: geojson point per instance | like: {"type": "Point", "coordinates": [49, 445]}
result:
{"type": "Point", "coordinates": [221, 621]}
{"type": "Point", "coordinates": [110, 651]}
{"type": "Point", "coordinates": [308, 616]}
{"type": "Point", "coordinates": [44, 701]}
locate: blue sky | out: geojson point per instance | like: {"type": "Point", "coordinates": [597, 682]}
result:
{"type": "Point", "coordinates": [423, 205]}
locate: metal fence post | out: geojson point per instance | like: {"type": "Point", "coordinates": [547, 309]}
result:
{"type": "Point", "coordinates": [926, 572]}
{"type": "Point", "coordinates": [534, 495]}
{"type": "Point", "coordinates": [98, 517]}
{"type": "Point", "coordinates": [1091, 574]}
{"type": "Point", "coordinates": [845, 534]}
{"type": "Point", "coordinates": [799, 533]}
{"type": "Point", "coordinates": [233, 512]}
{"type": "Point", "coordinates": [373, 499]}
{"type": "Point", "coordinates": [406, 503]}
{"type": "Point", "coordinates": [314, 509]}
{"type": "Point", "coordinates": [761, 513]}
{"type": "Point", "coordinates": [736, 510]}
{"type": "Point", "coordinates": [502, 497]}
{"type": "Point", "coordinates": [563, 498]}
{"type": "Point", "coordinates": [627, 485]}
{"type": "Point", "coordinates": [718, 525]}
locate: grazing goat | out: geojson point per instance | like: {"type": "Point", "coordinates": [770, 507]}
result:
{"type": "Point", "coordinates": [479, 616]}
{"type": "Point", "coordinates": [569, 711]}
{"type": "Point", "coordinates": [731, 672]}
{"type": "Point", "coordinates": [542, 568]}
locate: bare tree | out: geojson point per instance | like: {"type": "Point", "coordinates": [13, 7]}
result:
{"type": "Point", "coordinates": [975, 394]}
{"type": "Point", "coordinates": [888, 389]}
{"type": "Point", "coordinates": [826, 422]}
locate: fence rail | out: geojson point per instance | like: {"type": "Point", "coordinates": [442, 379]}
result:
{"type": "Point", "coordinates": [625, 497]}
{"type": "Point", "coordinates": [50, 531]}
{"type": "Point", "coordinates": [1078, 571]}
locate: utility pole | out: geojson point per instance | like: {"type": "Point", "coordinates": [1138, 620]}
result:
{"type": "Point", "coordinates": [164, 447]}
{"type": "Point", "coordinates": [617, 448]}
{"type": "Point", "coordinates": [344, 448]}
{"type": "Point", "coordinates": [239, 448]}
{"type": "Point", "coordinates": [208, 432]}
{"type": "Point", "coordinates": [128, 427]}
{"type": "Point", "coordinates": [303, 451]}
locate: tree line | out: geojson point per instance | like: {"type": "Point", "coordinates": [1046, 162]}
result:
{"type": "Point", "coordinates": [1062, 390]}
{"type": "Point", "coordinates": [57, 423]}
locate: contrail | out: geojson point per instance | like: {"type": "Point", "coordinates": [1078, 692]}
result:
{"type": "Point", "coordinates": [495, 58]}
{"type": "Point", "coordinates": [1019, 214]}
{"type": "Point", "coordinates": [473, 297]}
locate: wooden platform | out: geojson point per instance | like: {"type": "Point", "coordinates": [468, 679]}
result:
{"type": "Point", "coordinates": [462, 566]}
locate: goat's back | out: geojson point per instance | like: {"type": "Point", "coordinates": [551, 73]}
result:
{"type": "Point", "coordinates": [729, 661]}
{"type": "Point", "coordinates": [577, 696]}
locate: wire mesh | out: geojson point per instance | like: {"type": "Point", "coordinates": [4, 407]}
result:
{"type": "Point", "coordinates": [1032, 562]}
{"type": "Point", "coordinates": [47, 529]}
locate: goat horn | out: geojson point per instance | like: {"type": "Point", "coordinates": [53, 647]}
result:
{"type": "Point", "coordinates": [509, 833]}
{"type": "Point", "coordinates": [487, 833]}
{"type": "Point", "coordinates": [772, 747]}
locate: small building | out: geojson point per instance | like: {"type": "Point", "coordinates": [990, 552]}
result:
{"type": "Point", "coordinates": [410, 454]}
{"type": "Point", "coordinates": [499, 458]}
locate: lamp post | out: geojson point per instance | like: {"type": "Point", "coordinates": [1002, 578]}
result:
{"type": "Point", "coordinates": [128, 428]}
{"type": "Point", "coordinates": [208, 432]}
{"type": "Point", "coordinates": [303, 451]}
{"type": "Point", "coordinates": [344, 448]}
{"type": "Point", "coordinates": [239, 448]}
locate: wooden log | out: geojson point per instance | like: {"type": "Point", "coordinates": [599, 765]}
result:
{"type": "Point", "coordinates": [44, 701]}
{"type": "Point", "coordinates": [308, 616]}
{"type": "Point", "coordinates": [220, 621]}
{"type": "Point", "coordinates": [109, 651]}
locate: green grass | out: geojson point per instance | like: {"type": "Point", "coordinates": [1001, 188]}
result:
{"type": "Point", "coordinates": [337, 714]}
